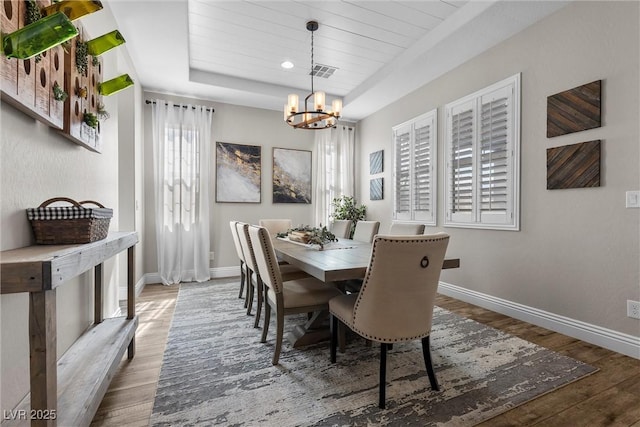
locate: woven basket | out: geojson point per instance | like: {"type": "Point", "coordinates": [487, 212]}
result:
{"type": "Point", "coordinates": [66, 225]}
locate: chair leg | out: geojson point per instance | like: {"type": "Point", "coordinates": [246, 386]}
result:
{"type": "Point", "coordinates": [334, 337]}
{"type": "Point", "coordinates": [267, 319]}
{"type": "Point", "coordinates": [260, 299]}
{"type": "Point", "coordinates": [247, 278]}
{"type": "Point", "coordinates": [279, 335]}
{"type": "Point", "coordinates": [242, 279]}
{"type": "Point", "coordinates": [383, 375]}
{"type": "Point", "coordinates": [426, 352]}
{"type": "Point", "coordinates": [250, 291]}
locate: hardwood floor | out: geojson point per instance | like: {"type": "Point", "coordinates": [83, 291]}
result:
{"type": "Point", "coordinates": [610, 397]}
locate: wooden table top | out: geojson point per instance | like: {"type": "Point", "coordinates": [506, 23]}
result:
{"type": "Point", "coordinates": [348, 262]}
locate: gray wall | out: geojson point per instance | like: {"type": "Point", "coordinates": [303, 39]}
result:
{"type": "Point", "coordinates": [239, 125]}
{"type": "Point", "coordinates": [577, 254]}
{"type": "Point", "coordinates": [37, 163]}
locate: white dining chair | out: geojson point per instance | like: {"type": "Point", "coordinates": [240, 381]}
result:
{"type": "Point", "coordinates": [254, 280]}
{"type": "Point", "coordinates": [406, 228]}
{"type": "Point", "coordinates": [238, 246]}
{"type": "Point", "coordinates": [285, 297]}
{"type": "Point", "coordinates": [397, 297]}
{"type": "Point", "coordinates": [365, 230]}
{"type": "Point", "coordinates": [275, 226]}
{"type": "Point", "coordinates": [341, 228]}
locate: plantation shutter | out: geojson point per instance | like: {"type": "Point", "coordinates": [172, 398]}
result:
{"type": "Point", "coordinates": [495, 152]}
{"type": "Point", "coordinates": [402, 199]}
{"type": "Point", "coordinates": [482, 145]}
{"type": "Point", "coordinates": [423, 190]}
{"type": "Point", "coordinates": [415, 169]}
{"type": "Point", "coordinates": [461, 162]}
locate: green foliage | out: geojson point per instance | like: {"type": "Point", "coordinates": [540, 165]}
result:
{"type": "Point", "coordinates": [31, 15]}
{"type": "Point", "coordinates": [90, 119]}
{"type": "Point", "coordinates": [344, 207]}
{"type": "Point", "coordinates": [316, 236]}
{"type": "Point", "coordinates": [82, 57]}
{"type": "Point", "coordinates": [58, 93]}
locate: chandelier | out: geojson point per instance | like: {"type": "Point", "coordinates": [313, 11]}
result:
{"type": "Point", "coordinates": [317, 117]}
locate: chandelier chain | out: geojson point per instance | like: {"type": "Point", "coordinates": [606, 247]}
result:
{"type": "Point", "coordinates": [312, 91]}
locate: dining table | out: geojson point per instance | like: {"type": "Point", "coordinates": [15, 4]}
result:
{"type": "Point", "coordinates": [335, 263]}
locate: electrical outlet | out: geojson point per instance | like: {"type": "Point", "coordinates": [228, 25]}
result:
{"type": "Point", "coordinates": [632, 199]}
{"type": "Point", "coordinates": [633, 309]}
{"type": "Point", "coordinates": [212, 255]}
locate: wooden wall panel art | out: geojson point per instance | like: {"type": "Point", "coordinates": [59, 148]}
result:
{"type": "Point", "coordinates": [574, 166]}
{"type": "Point", "coordinates": [574, 110]}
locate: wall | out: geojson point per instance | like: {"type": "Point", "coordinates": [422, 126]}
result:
{"type": "Point", "coordinates": [577, 254]}
{"type": "Point", "coordinates": [37, 163]}
{"type": "Point", "coordinates": [240, 125]}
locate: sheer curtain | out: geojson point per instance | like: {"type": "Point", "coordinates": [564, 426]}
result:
{"type": "Point", "coordinates": [181, 158]}
{"type": "Point", "coordinates": [335, 169]}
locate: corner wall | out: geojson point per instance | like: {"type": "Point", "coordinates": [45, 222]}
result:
{"type": "Point", "coordinates": [578, 252]}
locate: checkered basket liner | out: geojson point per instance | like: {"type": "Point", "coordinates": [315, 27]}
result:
{"type": "Point", "coordinates": [61, 225]}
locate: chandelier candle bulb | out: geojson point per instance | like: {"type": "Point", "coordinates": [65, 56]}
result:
{"type": "Point", "coordinates": [293, 103]}
{"type": "Point", "coordinates": [318, 100]}
{"type": "Point", "coordinates": [38, 36]}
{"type": "Point", "coordinates": [73, 9]}
{"type": "Point", "coordinates": [336, 106]}
{"type": "Point", "coordinates": [105, 42]}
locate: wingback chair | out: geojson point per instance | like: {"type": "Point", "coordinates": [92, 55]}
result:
{"type": "Point", "coordinates": [397, 297]}
{"type": "Point", "coordinates": [365, 230]}
{"type": "Point", "coordinates": [341, 228]}
{"type": "Point", "coordinates": [285, 297]}
{"type": "Point", "coordinates": [275, 226]}
{"type": "Point", "coordinates": [238, 246]}
{"type": "Point", "coordinates": [254, 280]}
{"type": "Point", "coordinates": [406, 228]}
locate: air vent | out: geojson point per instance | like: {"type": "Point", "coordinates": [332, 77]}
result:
{"type": "Point", "coordinates": [323, 71]}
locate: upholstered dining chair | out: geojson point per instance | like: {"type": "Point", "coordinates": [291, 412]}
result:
{"type": "Point", "coordinates": [238, 246]}
{"type": "Point", "coordinates": [254, 281]}
{"type": "Point", "coordinates": [275, 226]}
{"type": "Point", "coordinates": [365, 230]}
{"type": "Point", "coordinates": [285, 297]}
{"type": "Point", "coordinates": [341, 228]}
{"type": "Point", "coordinates": [397, 297]}
{"type": "Point", "coordinates": [406, 228]}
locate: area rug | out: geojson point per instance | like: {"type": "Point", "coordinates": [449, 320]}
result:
{"type": "Point", "coordinates": [216, 372]}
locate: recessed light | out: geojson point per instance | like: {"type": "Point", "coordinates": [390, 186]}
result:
{"type": "Point", "coordinates": [287, 65]}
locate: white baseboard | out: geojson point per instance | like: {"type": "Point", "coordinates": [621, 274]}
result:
{"type": "Point", "coordinates": [216, 273]}
{"type": "Point", "coordinates": [622, 343]}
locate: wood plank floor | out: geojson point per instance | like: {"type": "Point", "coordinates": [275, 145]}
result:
{"type": "Point", "coordinates": [610, 397]}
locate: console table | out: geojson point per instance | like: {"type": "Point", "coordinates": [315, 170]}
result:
{"type": "Point", "coordinates": [69, 391]}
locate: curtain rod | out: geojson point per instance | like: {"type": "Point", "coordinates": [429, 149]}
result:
{"type": "Point", "coordinates": [183, 106]}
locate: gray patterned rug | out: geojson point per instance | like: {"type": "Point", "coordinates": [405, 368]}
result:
{"type": "Point", "coordinates": [216, 372]}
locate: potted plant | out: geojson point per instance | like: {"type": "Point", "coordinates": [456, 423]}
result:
{"type": "Point", "coordinates": [344, 207]}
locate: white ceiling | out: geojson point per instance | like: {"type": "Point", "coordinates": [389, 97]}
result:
{"type": "Point", "coordinates": [231, 51]}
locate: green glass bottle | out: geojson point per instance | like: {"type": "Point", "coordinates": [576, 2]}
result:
{"type": "Point", "coordinates": [101, 44]}
{"type": "Point", "coordinates": [115, 85]}
{"type": "Point", "coordinates": [38, 36]}
{"type": "Point", "coordinates": [74, 9]}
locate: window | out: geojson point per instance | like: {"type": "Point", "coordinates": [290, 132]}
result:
{"type": "Point", "coordinates": [415, 171]}
{"type": "Point", "coordinates": [482, 149]}
{"type": "Point", "coordinates": [181, 175]}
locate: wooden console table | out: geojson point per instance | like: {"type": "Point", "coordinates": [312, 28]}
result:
{"type": "Point", "coordinates": [69, 391]}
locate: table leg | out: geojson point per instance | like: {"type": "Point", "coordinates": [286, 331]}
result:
{"type": "Point", "coordinates": [311, 332]}
{"type": "Point", "coordinates": [43, 363]}
{"type": "Point", "coordinates": [131, 296]}
{"type": "Point", "coordinates": [98, 278]}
